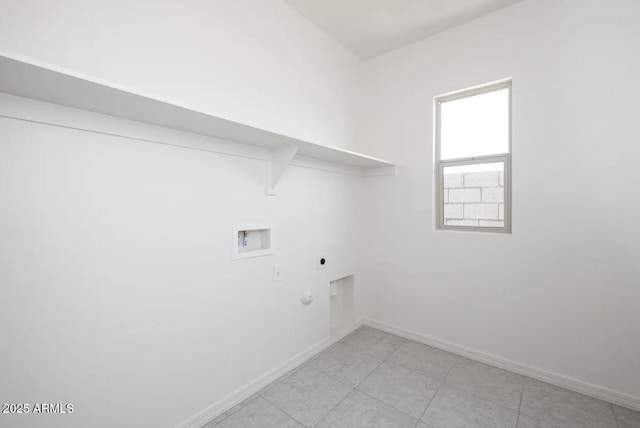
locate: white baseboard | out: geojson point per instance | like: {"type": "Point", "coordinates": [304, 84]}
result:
{"type": "Point", "coordinates": [523, 369]}
{"type": "Point", "coordinates": [246, 391]}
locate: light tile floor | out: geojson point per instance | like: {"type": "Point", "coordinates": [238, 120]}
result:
{"type": "Point", "coordinates": [375, 379]}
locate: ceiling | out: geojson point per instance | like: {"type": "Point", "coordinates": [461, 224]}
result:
{"type": "Point", "coordinates": [369, 28]}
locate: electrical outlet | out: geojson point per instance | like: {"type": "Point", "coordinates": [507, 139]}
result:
{"type": "Point", "coordinates": [277, 273]}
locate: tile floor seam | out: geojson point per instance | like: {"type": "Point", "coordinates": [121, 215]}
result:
{"type": "Point", "coordinates": [283, 378]}
{"type": "Point", "coordinates": [280, 379]}
{"type": "Point", "coordinates": [244, 403]}
{"type": "Point", "coordinates": [538, 419]}
{"type": "Point", "coordinates": [528, 415]}
{"type": "Point", "coordinates": [384, 361]}
{"type": "Point", "coordinates": [520, 403]}
{"type": "Point", "coordinates": [355, 388]}
{"type": "Point", "coordinates": [378, 366]}
{"type": "Point", "coordinates": [364, 352]}
{"type": "Point", "coordinates": [334, 407]}
{"type": "Point", "coordinates": [301, 366]}
{"type": "Point", "coordinates": [370, 374]}
{"type": "Point", "coordinates": [417, 372]}
{"type": "Point", "coordinates": [368, 353]}
{"type": "Point", "coordinates": [459, 357]}
{"type": "Point", "coordinates": [458, 362]}
{"type": "Point", "coordinates": [342, 381]}
{"type": "Point", "coordinates": [456, 358]}
{"type": "Point", "coordinates": [388, 405]}
{"type": "Point", "coordinates": [429, 403]}
{"type": "Point", "coordinates": [362, 381]}
{"type": "Point", "coordinates": [413, 371]}
{"type": "Point", "coordinates": [615, 416]}
{"type": "Point", "coordinates": [268, 401]}
{"type": "Point", "coordinates": [335, 378]}
{"type": "Point", "coordinates": [553, 424]}
{"type": "Point", "coordinates": [283, 411]}
{"type": "Point", "coordinates": [220, 421]}
{"type": "Point", "coordinates": [485, 398]}
{"type": "Point", "coordinates": [444, 380]}
{"type": "Point", "coordinates": [437, 389]}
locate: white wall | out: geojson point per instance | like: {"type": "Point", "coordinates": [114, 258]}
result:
{"type": "Point", "coordinates": [118, 293]}
{"type": "Point", "coordinates": [562, 293]}
{"type": "Point", "coordinates": [118, 290]}
{"type": "Point", "coordinates": [127, 272]}
{"type": "Point", "coordinates": [255, 62]}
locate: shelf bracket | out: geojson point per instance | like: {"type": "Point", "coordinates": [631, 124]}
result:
{"type": "Point", "coordinates": [279, 158]}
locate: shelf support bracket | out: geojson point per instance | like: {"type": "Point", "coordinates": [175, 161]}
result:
{"type": "Point", "coordinates": [279, 158]}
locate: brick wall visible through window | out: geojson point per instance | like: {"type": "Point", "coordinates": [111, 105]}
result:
{"type": "Point", "coordinates": [474, 199]}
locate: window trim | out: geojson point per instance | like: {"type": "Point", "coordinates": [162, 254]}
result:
{"type": "Point", "coordinates": [439, 164]}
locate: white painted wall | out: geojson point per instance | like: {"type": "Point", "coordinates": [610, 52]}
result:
{"type": "Point", "coordinates": [255, 62]}
{"type": "Point", "coordinates": [128, 274]}
{"type": "Point", "coordinates": [118, 293]}
{"type": "Point", "coordinates": [562, 293]}
{"type": "Point", "coordinates": [118, 290]}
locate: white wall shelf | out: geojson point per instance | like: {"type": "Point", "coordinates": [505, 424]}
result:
{"type": "Point", "coordinates": [27, 78]}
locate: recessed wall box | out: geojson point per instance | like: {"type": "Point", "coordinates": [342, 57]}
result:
{"type": "Point", "coordinates": [252, 240]}
{"type": "Point", "coordinates": [341, 292]}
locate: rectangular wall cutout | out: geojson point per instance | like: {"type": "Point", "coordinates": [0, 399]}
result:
{"type": "Point", "coordinates": [342, 305]}
{"type": "Point", "coordinates": [252, 241]}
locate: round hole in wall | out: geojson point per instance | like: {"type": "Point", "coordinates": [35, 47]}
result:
{"type": "Point", "coordinates": [322, 261]}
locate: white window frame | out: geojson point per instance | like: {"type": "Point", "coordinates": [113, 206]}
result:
{"type": "Point", "coordinates": [440, 164]}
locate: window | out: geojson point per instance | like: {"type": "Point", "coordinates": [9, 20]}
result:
{"type": "Point", "coordinates": [473, 159]}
